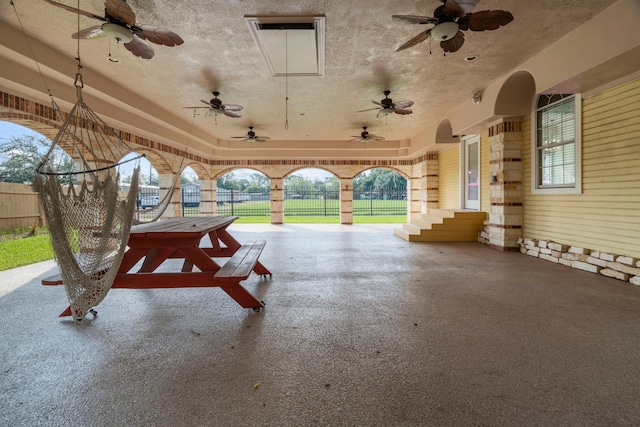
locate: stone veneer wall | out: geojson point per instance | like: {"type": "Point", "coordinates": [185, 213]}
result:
{"type": "Point", "coordinates": [611, 265]}
{"type": "Point", "coordinates": [619, 267]}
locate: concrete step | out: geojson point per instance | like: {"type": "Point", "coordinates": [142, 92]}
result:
{"type": "Point", "coordinates": [442, 225]}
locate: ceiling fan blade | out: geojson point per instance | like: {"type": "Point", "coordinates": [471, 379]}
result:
{"type": "Point", "coordinates": [376, 137]}
{"type": "Point", "coordinates": [159, 35]}
{"type": "Point", "coordinates": [262, 138]}
{"type": "Point", "coordinates": [208, 103]}
{"type": "Point", "coordinates": [403, 104]}
{"type": "Point", "coordinates": [75, 10]}
{"type": "Point", "coordinates": [414, 41]}
{"type": "Point", "coordinates": [231, 114]}
{"type": "Point", "coordinates": [377, 103]}
{"type": "Point", "coordinates": [231, 107]}
{"type": "Point", "coordinates": [454, 43]}
{"type": "Point", "coordinates": [89, 33]}
{"type": "Point", "coordinates": [369, 109]}
{"type": "Point", "coordinates": [120, 9]}
{"type": "Point", "coordinates": [453, 8]}
{"type": "Point", "coordinates": [403, 111]}
{"type": "Point", "coordinates": [239, 137]}
{"type": "Point", "coordinates": [195, 107]}
{"type": "Point", "coordinates": [414, 19]}
{"type": "Point", "coordinates": [486, 20]}
{"type": "Point", "coordinates": [139, 48]}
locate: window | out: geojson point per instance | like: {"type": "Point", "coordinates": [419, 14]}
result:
{"type": "Point", "coordinates": [556, 145]}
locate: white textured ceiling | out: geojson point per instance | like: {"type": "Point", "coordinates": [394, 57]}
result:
{"type": "Point", "coordinates": [220, 53]}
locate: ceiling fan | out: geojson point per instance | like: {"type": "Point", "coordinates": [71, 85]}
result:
{"type": "Point", "coordinates": [387, 106]}
{"type": "Point", "coordinates": [365, 136]}
{"type": "Point", "coordinates": [252, 137]}
{"type": "Point", "coordinates": [450, 18]}
{"type": "Point", "coordinates": [120, 25]}
{"type": "Point", "coordinates": [216, 107]}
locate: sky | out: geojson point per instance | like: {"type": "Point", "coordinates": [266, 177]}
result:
{"type": "Point", "coordinates": [8, 130]}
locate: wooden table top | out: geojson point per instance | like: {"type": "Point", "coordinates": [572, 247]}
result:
{"type": "Point", "coordinates": [183, 225]}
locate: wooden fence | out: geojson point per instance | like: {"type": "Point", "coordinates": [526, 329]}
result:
{"type": "Point", "coordinates": [19, 206]}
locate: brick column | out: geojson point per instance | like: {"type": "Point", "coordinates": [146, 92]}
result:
{"type": "Point", "coordinates": [505, 170]}
{"type": "Point", "coordinates": [346, 201]}
{"type": "Point", "coordinates": [430, 183]}
{"type": "Point", "coordinates": [207, 197]}
{"type": "Point", "coordinates": [277, 201]}
{"type": "Point", "coordinates": [165, 181]}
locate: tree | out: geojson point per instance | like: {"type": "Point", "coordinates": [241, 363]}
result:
{"type": "Point", "coordinates": [20, 156]}
{"type": "Point", "coordinates": [378, 179]}
{"type": "Point", "coordinates": [227, 181]}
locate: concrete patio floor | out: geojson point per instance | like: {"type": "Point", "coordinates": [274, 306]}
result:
{"type": "Point", "coordinates": [361, 328]}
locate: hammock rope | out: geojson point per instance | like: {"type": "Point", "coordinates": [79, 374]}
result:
{"type": "Point", "coordinates": [88, 220]}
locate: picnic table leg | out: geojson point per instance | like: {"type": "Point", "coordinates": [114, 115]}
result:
{"type": "Point", "coordinates": [261, 270]}
{"type": "Point", "coordinates": [242, 296]}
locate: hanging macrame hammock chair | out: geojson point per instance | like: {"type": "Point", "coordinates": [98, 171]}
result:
{"type": "Point", "coordinates": [88, 218]}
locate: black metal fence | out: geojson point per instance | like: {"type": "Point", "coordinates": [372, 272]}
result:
{"type": "Point", "coordinates": [298, 202]}
{"type": "Point", "coordinates": [147, 203]}
{"type": "Point", "coordinates": [243, 203]}
{"type": "Point", "coordinates": [387, 202]}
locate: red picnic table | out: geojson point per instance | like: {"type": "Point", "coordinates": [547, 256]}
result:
{"type": "Point", "coordinates": [180, 238]}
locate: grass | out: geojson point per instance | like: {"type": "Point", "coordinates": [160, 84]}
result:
{"type": "Point", "coordinates": [25, 246]}
{"type": "Point", "coordinates": [19, 247]}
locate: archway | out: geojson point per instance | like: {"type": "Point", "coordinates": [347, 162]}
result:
{"type": "Point", "coordinates": [311, 195]}
{"type": "Point", "coordinates": [149, 194]}
{"type": "Point", "coordinates": [189, 192]}
{"type": "Point", "coordinates": [379, 196]}
{"type": "Point", "coordinates": [244, 193]}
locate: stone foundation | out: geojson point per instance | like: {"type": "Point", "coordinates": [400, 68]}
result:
{"type": "Point", "coordinates": [619, 267]}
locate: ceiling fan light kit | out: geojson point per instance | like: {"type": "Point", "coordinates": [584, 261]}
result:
{"type": "Point", "coordinates": [117, 32]}
{"type": "Point", "coordinates": [444, 31]}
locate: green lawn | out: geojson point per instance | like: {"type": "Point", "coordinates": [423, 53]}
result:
{"type": "Point", "coordinates": [20, 247]}
{"type": "Point", "coordinates": [18, 250]}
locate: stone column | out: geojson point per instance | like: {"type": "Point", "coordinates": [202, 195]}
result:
{"type": "Point", "coordinates": [430, 183]}
{"type": "Point", "coordinates": [414, 202]}
{"type": "Point", "coordinates": [207, 197]}
{"type": "Point", "coordinates": [346, 201]}
{"type": "Point", "coordinates": [505, 171]}
{"type": "Point", "coordinates": [165, 181]}
{"type": "Point", "coordinates": [277, 201]}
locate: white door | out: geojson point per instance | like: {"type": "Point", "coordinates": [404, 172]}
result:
{"type": "Point", "coordinates": [471, 172]}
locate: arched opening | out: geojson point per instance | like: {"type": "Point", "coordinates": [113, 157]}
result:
{"type": "Point", "coordinates": [244, 193]}
{"type": "Point", "coordinates": [189, 192]}
{"type": "Point", "coordinates": [22, 149]}
{"type": "Point", "coordinates": [379, 196]}
{"type": "Point", "coordinates": [149, 195]}
{"type": "Point", "coordinates": [312, 195]}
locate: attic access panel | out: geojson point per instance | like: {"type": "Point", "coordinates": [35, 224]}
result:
{"type": "Point", "coordinates": [290, 45]}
